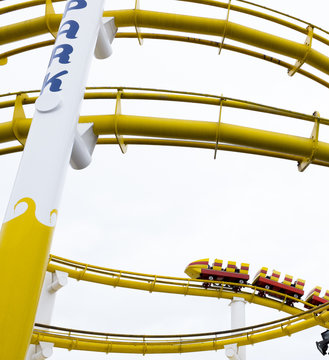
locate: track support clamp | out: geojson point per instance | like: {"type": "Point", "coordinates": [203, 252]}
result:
{"type": "Point", "coordinates": [302, 165]}
{"type": "Point", "coordinates": [308, 44]}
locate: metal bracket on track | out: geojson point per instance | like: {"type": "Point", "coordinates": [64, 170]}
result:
{"type": "Point", "coordinates": [225, 27]}
{"type": "Point", "coordinates": [218, 126]}
{"type": "Point", "coordinates": [3, 60]}
{"type": "Point", "coordinates": [308, 44]}
{"type": "Point", "coordinates": [123, 146]}
{"type": "Point", "coordinates": [18, 116]}
{"type": "Point", "coordinates": [138, 30]}
{"type": "Point", "coordinates": [302, 165]}
{"type": "Point", "coordinates": [49, 12]}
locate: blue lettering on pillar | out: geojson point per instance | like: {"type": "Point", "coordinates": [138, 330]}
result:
{"type": "Point", "coordinates": [62, 52]}
{"type": "Point", "coordinates": [70, 28]}
{"type": "Point", "coordinates": [54, 81]}
{"type": "Point", "coordinates": [74, 5]}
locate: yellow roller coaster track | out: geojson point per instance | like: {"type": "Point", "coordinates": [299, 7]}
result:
{"type": "Point", "coordinates": [183, 23]}
{"type": "Point", "coordinates": [143, 344]}
{"type": "Point", "coordinates": [108, 342]}
{"type": "Point", "coordinates": [177, 132]}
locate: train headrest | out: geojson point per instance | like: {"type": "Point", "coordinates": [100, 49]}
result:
{"type": "Point", "coordinates": [244, 268]}
{"type": "Point", "coordinates": [231, 266]}
{"type": "Point", "coordinates": [275, 275]}
{"type": "Point", "coordinates": [315, 291]}
{"type": "Point", "coordinates": [287, 280]}
{"type": "Point", "coordinates": [217, 265]}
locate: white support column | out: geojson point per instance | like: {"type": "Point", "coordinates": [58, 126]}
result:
{"type": "Point", "coordinates": [238, 320]}
{"type": "Point", "coordinates": [52, 283]}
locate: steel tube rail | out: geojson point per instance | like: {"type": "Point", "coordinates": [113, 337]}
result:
{"type": "Point", "coordinates": [194, 131]}
{"type": "Point", "coordinates": [213, 3]}
{"type": "Point", "coordinates": [164, 284]}
{"type": "Point", "coordinates": [180, 132]}
{"type": "Point", "coordinates": [188, 39]}
{"type": "Point", "coordinates": [132, 93]}
{"type": "Point", "coordinates": [107, 345]}
{"type": "Point", "coordinates": [180, 23]}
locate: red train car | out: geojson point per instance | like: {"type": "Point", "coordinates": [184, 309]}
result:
{"type": "Point", "coordinates": [314, 298]}
{"type": "Point", "coordinates": [266, 282]}
{"type": "Point", "coordinates": [200, 269]}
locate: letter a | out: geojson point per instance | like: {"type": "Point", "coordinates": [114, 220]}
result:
{"type": "Point", "coordinates": [71, 31]}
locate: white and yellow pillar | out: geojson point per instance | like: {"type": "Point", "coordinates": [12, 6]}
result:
{"type": "Point", "coordinates": [30, 219]}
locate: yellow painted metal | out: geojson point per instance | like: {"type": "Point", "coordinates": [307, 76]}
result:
{"type": "Point", "coordinates": [119, 138]}
{"type": "Point", "coordinates": [188, 39]}
{"type": "Point", "coordinates": [49, 12]}
{"type": "Point", "coordinates": [201, 134]}
{"type": "Point", "coordinates": [218, 4]}
{"type": "Point", "coordinates": [183, 343]}
{"type": "Point", "coordinates": [19, 115]}
{"type": "Point", "coordinates": [308, 44]}
{"type": "Point", "coordinates": [21, 281]}
{"type": "Point", "coordinates": [218, 127]}
{"type": "Point", "coordinates": [165, 284]}
{"type": "Point", "coordinates": [133, 343]}
{"type": "Point", "coordinates": [315, 139]}
{"type": "Point", "coordinates": [179, 23]}
{"type": "Point", "coordinates": [224, 34]}
{"type": "Point", "coordinates": [137, 28]}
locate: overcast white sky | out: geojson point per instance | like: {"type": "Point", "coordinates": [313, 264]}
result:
{"type": "Point", "coordinates": [156, 209]}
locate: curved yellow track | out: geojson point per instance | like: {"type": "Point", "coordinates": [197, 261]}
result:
{"type": "Point", "coordinates": [144, 344]}
{"type": "Point", "coordinates": [188, 39]}
{"type": "Point", "coordinates": [183, 23]}
{"type": "Point", "coordinates": [147, 345]}
{"type": "Point", "coordinates": [172, 285]}
{"type": "Point", "coordinates": [177, 132]}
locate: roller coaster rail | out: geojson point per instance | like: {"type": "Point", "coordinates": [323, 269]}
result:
{"type": "Point", "coordinates": [69, 339]}
{"type": "Point", "coordinates": [149, 19]}
{"type": "Point", "coordinates": [173, 285]}
{"type": "Point", "coordinates": [73, 339]}
{"type": "Point", "coordinates": [200, 134]}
